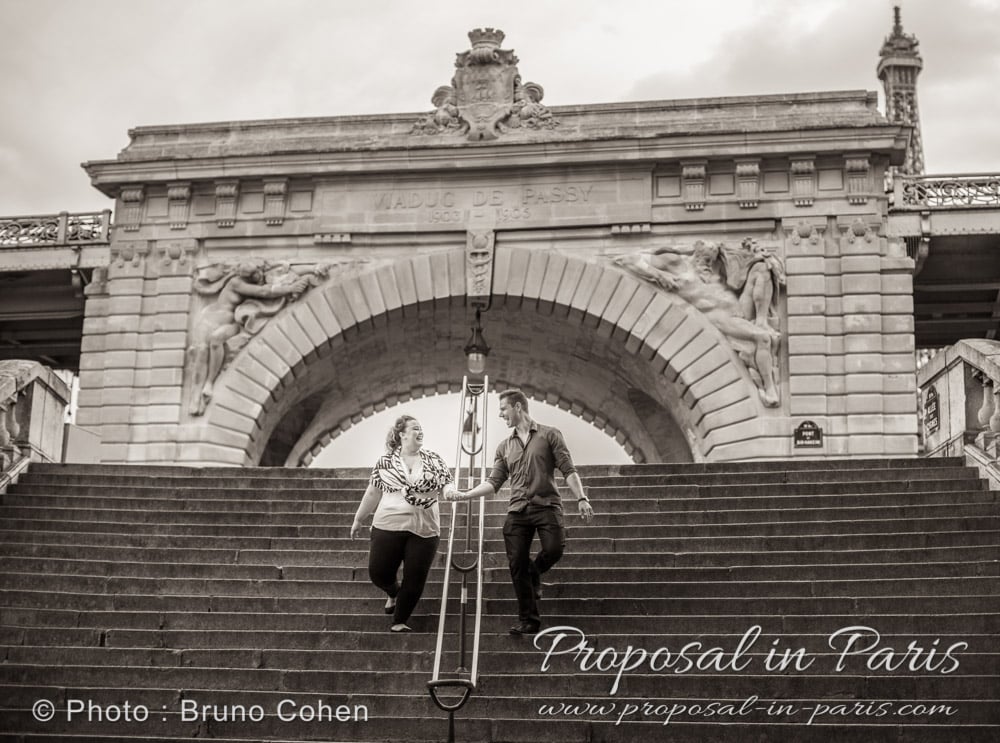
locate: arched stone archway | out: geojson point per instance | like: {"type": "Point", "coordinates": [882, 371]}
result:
{"type": "Point", "coordinates": [644, 365]}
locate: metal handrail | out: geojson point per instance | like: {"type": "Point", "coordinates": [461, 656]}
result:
{"type": "Point", "coordinates": [471, 445]}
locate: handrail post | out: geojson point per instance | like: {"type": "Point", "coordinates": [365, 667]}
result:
{"type": "Point", "coordinates": [467, 677]}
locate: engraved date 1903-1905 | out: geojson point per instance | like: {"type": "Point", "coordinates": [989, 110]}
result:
{"type": "Point", "coordinates": [502, 214]}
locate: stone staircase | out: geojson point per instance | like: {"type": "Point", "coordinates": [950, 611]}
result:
{"type": "Point", "coordinates": [155, 602]}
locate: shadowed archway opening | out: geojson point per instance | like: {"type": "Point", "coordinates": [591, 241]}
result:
{"type": "Point", "coordinates": [439, 415]}
{"type": "Point", "coordinates": [569, 362]}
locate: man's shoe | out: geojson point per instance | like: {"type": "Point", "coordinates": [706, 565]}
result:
{"type": "Point", "coordinates": [524, 629]}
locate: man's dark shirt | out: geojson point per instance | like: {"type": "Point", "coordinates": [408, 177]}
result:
{"type": "Point", "coordinates": [531, 467]}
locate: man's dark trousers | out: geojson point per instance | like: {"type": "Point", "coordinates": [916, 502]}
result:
{"type": "Point", "coordinates": [518, 532]}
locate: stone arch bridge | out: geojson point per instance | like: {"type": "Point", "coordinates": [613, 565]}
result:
{"type": "Point", "coordinates": [711, 279]}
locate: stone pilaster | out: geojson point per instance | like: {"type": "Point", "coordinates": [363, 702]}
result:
{"type": "Point", "coordinates": [813, 327]}
{"type": "Point", "coordinates": [120, 354]}
{"type": "Point", "coordinates": [95, 328]}
{"type": "Point", "coordinates": [880, 367]}
{"type": "Point", "coordinates": [158, 409]}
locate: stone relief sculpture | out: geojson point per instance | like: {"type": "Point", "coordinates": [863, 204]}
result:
{"type": "Point", "coordinates": [445, 116]}
{"type": "Point", "coordinates": [245, 296]}
{"type": "Point", "coordinates": [486, 97]}
{"type": "Point", "coordinates": [528, 110]}
{"type": "Point", "coordinates": [737, 290]}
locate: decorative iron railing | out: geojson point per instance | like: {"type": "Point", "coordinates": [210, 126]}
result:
{"type": "Point", "coordinates": [55, 229]}
{"type": "Point", "coordinates": [947, 191]}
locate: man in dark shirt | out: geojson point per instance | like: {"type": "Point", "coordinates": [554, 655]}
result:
{"type": "Point", "coordinates": [529, 458]}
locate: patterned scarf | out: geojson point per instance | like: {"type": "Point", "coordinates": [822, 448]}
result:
{"type": "Point", "coordinates": [389, 475]}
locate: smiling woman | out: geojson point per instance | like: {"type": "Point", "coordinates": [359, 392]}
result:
{"type": "Point", "coordinates": [439, 413]}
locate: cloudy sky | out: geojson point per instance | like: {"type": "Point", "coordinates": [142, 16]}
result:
{"type": "Point", "coordinates": [75, 75]}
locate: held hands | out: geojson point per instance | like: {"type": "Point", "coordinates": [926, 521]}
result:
{"type": "Point", "coordinates": [357, 530]}
{"type": "Point", "coordinates": [452, 495]}
{"type": "Point", "coordinates": [586, 510]}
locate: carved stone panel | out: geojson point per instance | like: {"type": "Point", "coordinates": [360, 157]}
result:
{"type": "Point", "coordinates": [693, 175]}
{"type": "Point", "coordinates": [275, 194]}
{"type": "Point", "coordinates": [803, 181]}
{"type": "Point", "coordinates": [178, 205]}
{"type": "Point", "coordinates": [479, 266]}
{"type": "Point", "coordinates": [736, 287]}
{"type": "Point", "coordinates": [226, 195]}
{"type": "Point", "coordinates": [748, 183]}
{"type": "Point", "coordinates": [242, 298]}
{"type": "Point", "coordinates": [132, 200]}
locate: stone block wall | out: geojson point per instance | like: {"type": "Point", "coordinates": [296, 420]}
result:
{"type": "Point", "coordinates": [851, 361]}
{"type": "Point", "coordinates": [134, 339]}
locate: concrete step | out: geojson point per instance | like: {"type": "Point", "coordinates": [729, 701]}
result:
{"type": "Point", "coordinates": [564, 574]}
{"type": "Point", "coordinates": [516, 659]}
{"type": "Point", "coordinates": [525, 681]}
{"type": "Point", "coordinates": [358, 557]}
{"type": "Point", "coordinates": [628, 488]}
{"type": "Point", "coordinates": [975, 517]}
{"type": "Point", "coordinates": [506, 606]}
{"type": "Point", "coordinates": [252, 523]}
{"type": "Point", "coordinates": [647, 500]}
{"type": "Point", "coordinates": [914, 621]}
{"type": "Point", "coordinates": [585, 470]}
{"type": "Point", "coordinates": [608, 585]}
{"type": "Point", "coordinates": [418, 642]}
{"type": "Point", "coordinates": [242, 587]}
{"type": "Point", "coordinates": [874, 537]}
{"type": "Point", "coordinates": [245, 479]}
{"type": "Point", "coordinates": [414, 705]}
{"type": "Point", "coordinates": [569, 730]}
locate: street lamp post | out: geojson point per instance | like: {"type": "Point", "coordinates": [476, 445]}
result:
{"type": "Point", "coordinates": [476, 349]}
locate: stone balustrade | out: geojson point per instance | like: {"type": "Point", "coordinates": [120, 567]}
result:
{"type": "Point", "coordinates": [960, 404]}
{"type": "Point", "coordinates": [33, 404]}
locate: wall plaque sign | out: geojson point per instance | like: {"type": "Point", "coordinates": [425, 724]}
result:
{"type": "Point", "coordinates": [808, 435]}
{"type": "Point", "coordinates": [932, 411]}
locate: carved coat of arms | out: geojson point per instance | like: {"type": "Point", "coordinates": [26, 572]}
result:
{"type": "Point", "coordinates": [486, 96]}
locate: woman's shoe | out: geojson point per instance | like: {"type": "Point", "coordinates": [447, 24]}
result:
{"type": "Point", "coordinates": [400, 628]}
{"type": "Point", "coordinates": [390, 605]}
